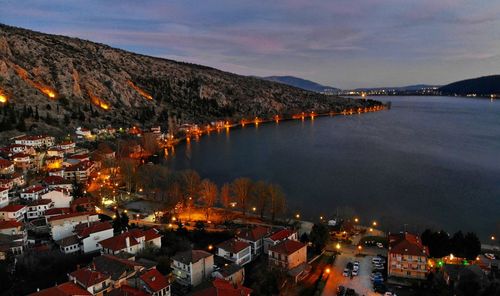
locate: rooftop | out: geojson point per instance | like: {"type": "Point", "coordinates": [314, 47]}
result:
{"type": "Point", "coordinates": [281, 234]}
{"type": "Point", "coordinates": [287, 247]}
{"type": "Point", "coordinates": [12, 208]}
{"type": "Point", "coordinates": [84, 230]}
{"type": "Point", "coordinates": [222, 287]}
{"type": "Point", "coordinates": [65, 289]}
{"type": "Point", "coordinates": [254, 234]}
{"type": "Point", "coordinates": [191, 256]}
{"type": "Point", "coordinates": [407, 244]}
{"type": "Point", "coordinates": [155, 280]}
{"type": "Point", "coordinates": [88, 277]}
{"type": "Point", "coordinates": [233, 246]}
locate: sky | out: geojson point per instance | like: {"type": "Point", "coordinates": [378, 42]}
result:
{"type": "Point", "coordinates": [340, 43]}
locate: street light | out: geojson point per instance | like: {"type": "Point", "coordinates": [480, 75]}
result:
{"type": "Point", "coordinates": [493, 238]}
{"type": "Point", "coordinates": [356, 220]}
{"type": "Point", "coordinates": [327, 270]}
{"type": "Point", "coordinates": [254, 209]}
{"type": "Point", "coordinates": [337, 246]}
{"type": "Point", "coordinates": [297, 216]}
{"type": "Point", "coordinates": [210, 247]}
{"type": "Point", "coordinates": [371, 229]}
{"type": "Point", "coordinates": [374, 223]}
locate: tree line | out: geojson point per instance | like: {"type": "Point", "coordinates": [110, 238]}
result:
{"type": "Point", "coordinates": [461, 245]}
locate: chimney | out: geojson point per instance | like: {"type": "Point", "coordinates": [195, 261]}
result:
{"type": "Point", "coordinates": [153, 279]}
{"type": "Point", "coordinates": [127, 242]}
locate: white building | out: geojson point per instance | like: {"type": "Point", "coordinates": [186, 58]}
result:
{"type": "Point", "coordinates": [63, 226]}
{"type": "Point", "coordinates": [36, 141]}
{"type": "Point", "coordinates": [236, 251]}
{"type": "Point", "coordinates": [191, 268]}
{"type": "Point", "coordinates": [33, 193]}
{"type": "Point", "coordinates": [91, 234]}
{"type": "Point", "coordinates": [37, 208]}
{"type": "Point", "coordinates": [279, 236]}
{"type": "Point", "coordinates": [59, 197]}
{"type": "Point", "coordinates": [13, 212]}
{"type": "Point", "coordinates": [4, 197]}
{"type": "Point", "coordinates": [82, 132]}
{"type": "Point", "coordinates": [132, 241]}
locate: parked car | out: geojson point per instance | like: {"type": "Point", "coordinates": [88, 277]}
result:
{"type": "Point", "coordinates": [350, 292]}
{"type": "Point", "coordinates": [489, 256]}
{"type": "Point", "coordinates": [380, 245]}
{"type": "Point", "coordinates": [378, 267]}
{"type": "Point", "coordinates": [378, 259]}
{"type": "Point", "coordinates": [356, 265]}
{"type": "Point", "coordinates": [340, 291]}
{"type": "Point", "coordinates": [377, 274]}
{"type": "Point", "coordinates": [349, 266]}
{"type": "Point", "coordinates": [347, 272]}
{"type": "Point", "coordinates": [355, 272]}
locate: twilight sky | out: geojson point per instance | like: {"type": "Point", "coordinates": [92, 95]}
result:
{"type": "Point", "coordinates": [342, 43]}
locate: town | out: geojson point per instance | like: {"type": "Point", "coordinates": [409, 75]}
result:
{"type": "Point", "coordinates": [93, 214]}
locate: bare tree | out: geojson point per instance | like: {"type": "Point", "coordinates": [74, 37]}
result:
{"type": "Point", "coordinates": [209, 194]}
{"type": "Point", "coordinates": [260, 197]}
{"type": "Point", "coordinates": [276, 200]}
{"type": "Point", "coordinates": [192, 183]}
{"type": "Point", "coordinates": [225, 195]}
{"type": "Point", "coordinates": [241, 189]}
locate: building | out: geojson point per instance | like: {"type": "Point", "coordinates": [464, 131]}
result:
{"type": "Point", "coordinates": [291, 256]}
{"type": "Point", "coordinates": [191, 268]}
{"type": "Point", "coordinates": [67, 146]}
{"type": "Point", "coordinates": [13, 237]}
{"type": "Point", "coordinates": [59, 197]}
{"type": "Point", "coordinates": [39, 141]}
{"type": "Point", "coordinates": [69, 245]}
{"type": "Point", "coordinates": [53, 182]}
{"type": "Point", "coordinates": [64, 289]}
{"type": "Point", "coordinates": [7, 183]}
{"type": "Point", "coordinates": [83, 203]}
{"type": "Point", "coordinates": [33, 193]}
{"type": "Point", "coordinates": [83, 133]}
{"type": "Point", "coordinates": [79, 172]}
{"type": "Point", "coordinates": [119, 269]}
{"type": "Point", "coordinates": [223, 287]}
{"type": "Point", "coordinates": [4, 197]}
{"type": "Point", "coordinates": [62, 226]}
{"type": "Point", "coordinates": [13, 213]}
{"type": "Point", "coordinates": [90, 234]}
{"type": "Point", "coordinates": [22, 161]}
{"type": "Point", "coordinates": [37, 208]}
{"type": "Point", "coordinates": [131, 241]}
{"type": "Point", "coordinates": [154, 283]}
{"type": "Point", "coordinates": [407, 256]}
{"type": "Point", "coordinates": [229, 271]}
{"type": "Point", "coordinates": [95, 282]}
{"type": "Point", "coordinates": [255, 237]}
{"type": "Point", "coordinates": [236, 251]}
{"type": "Point", "coordinates": [6, 167]}
{"type": "Point", "coordinates": [277, 237]}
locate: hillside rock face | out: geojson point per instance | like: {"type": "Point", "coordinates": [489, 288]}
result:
{"type": "Point", "coordinates": [77, 82]}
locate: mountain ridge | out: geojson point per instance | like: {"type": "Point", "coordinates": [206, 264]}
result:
{"type": "Point", "coordinates": [301, 83]}
{"type": "Point", "coordinates": [483, 86]}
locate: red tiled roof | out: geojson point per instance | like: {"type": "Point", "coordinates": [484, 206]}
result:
{"type": "Point", "coordinates": [118, 242]}
{"type": "Point", "coordinates": [88, 277]}
{"type": "Point", "coordinates": [2, 189]}
{"type": "Point", "coordinates": [10, 224]}
{"type": "Point", "coordinates": [155, 280]}
{"type": "Point", "coordinates": [233, 245]}
{"type": "Point", "coordinates": [191, 256]}
{"type": "Point", "coordinates": [34, 189]}
{"type": "Point", "coordinates": [20, 155]}
{"type": "Point", "coordinates": [12, 208]}
{"type": "Point", "coordinates": [82, 200]}
{"type": "Point", "coordinates": [224, 288]}
{"type": "Point", "coordinates": [70, 215]}
{"type": "Point", "coordinates": [287, 247]}
{"type": "Point", "coordinates": [79, 156]}
{"type": "Point", "coordinates": [65, 289]}
{"type": "Point", "coordinates": [281, 234]}
{"type": "Point", "coordinates": [125, 290]}
{"type": "Point", "coordinates": [254, 234]}
{"type": "Point", "coordinates": [148, 234]}
{"type": "Point", "coordinates": [84, 230]}
{"type": "Point", "coordinates": [57, 211]}
{"type": "Point", "coordinates": [407, 244]}
{"type": "Point", "coordinates": [4, 163]}
{"type": "Point", "coordinates": [55, 180]}
{"type": "Point", "coordinates": [84, 165]}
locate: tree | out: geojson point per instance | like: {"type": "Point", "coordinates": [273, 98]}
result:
{"type": "Point", "coordinates": [260, 197]}
{"type": "Point", "coordinates": [472, 246]}
{"type": "Point", "coordinates": [276, 200]}
{"type": "Point", "coordinates": [209, 194]}
{"type": "Point", "coordinates": [241, 189]}
{"type": "Point", "coordinates": [319, 236]}
{"type": "Point", "coordinates": [225, 195]}
{"type": "Point", "coordinates": [192, 182]}
{"type": "Point", "coordinates": [124, 220]}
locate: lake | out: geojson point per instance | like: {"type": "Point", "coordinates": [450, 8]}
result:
{"type": "Point", "coordinates": [429, 161]}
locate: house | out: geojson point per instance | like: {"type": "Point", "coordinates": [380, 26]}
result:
{"type": "Point", "coordinates": [79, 172]}
{"type": "Point", "coordinates": [77, 158]}
{"type": "Point", "coordinates": [255, 237]}
{"type": "Point", "coordinates": [54, 151]}
{"type": "Point", "coordinates": [90, 234]}
{"type": "Point", "coordinates": [153, 283]}
{"type": "Point", "coordinates": [229, 271]}
{"type": "Point", "coordinates": [13, 237]}
{"type": "Point", "coordinates": [7, 183]}
{"type": "Point", "coordinates": [95, 282]}
{"type": "Point", "coordinates": [22, 161]}
{"type": "Point", "coordinates": [452, 274]}
{"type": "Point", "coordinates": [277, 237]}
{"type": "Point", "coordinates": [6, 167]}
{"type": "Point", "coordinates": [4, 197]}
{"type": "Point", "coordinates": [191, 268]}
{"type": "Point", "coordinates": [59, 197]}
{"type": "Point", "coordinates": [407, 256]}
{"type": "Point", "coordinates": [67, 146]}
{"type": "Point", "coordinates": [131, 241]}
{"type": "Point", "coordinates": [83, 203]}
{"type": "Point", "coordinates": [83, 133]}
{"type": "Point", "coordinates": [33, 192]}
{"type": "Point", "coordinates": [13, 212]}
{"type": "Point", "coordinates": [38, 141]}
{"type": "Point", "coordinates": [223, 287]}
{"type": "Point", "coordinates": [291, 256]}
{"type": "Point", "coordinates": [53, 162]}
{"type": "Point", "coordinates": [57, 172]}
{"type": "Point", "coordinates": [62, 226]}
{"type": "Point", "coordinates": [37, 208]}
{"type": "Point", "coordinates": [64, 289]}
{"type": "Point", "coordinates": [53, 182]}
{"type": "Point", "coordinates": [17, 179]}
{"type": "Point", "coordinates": [120, 270]}
{"type": "Point", "coordinates": [236, 251]}
{"type": "Point", "coordinates": [69, 245]}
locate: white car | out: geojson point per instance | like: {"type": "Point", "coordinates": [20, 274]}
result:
{"type": "Point", "coordinates": [346, 272]}
{"type": "Point", "coordinates": [489, 256]}
{"type": "Point", "coordinates": [380, 245]}
{"type": "Point", "coordinates": [355, 272]}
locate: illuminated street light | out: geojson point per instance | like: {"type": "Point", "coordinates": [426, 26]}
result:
{"type": "Point", "coordinates": [371, 229]}
{"type": "Point", "coordinates": [327, 270]}
{"type": "Point", "coordinates": [337, 246]}
{"type": "Point", "coordinates": [374, 223]}
{"type": "Point", "coordinates": [173, 218]}
{"type": "Point", "coordinates": [297, 216]}
{"type": "Point", "coordinates": [493, 238]}
{"type": "Point", "coordinates": [125, 211]}
{"type": "Point", "coordinates": [254, 209]}
{"type": "Point", "coordinates": [210, 247]}
{"type": "Point", "coordinates": [356, 220]}
{"type": "Point", "coordinates": [321, 217]}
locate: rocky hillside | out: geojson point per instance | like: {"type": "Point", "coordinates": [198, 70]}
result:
{"type": "Point", "coordinates": [58, 82]}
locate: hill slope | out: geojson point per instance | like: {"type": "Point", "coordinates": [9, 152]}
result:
{"type": "Point", "coordinates": [485, 85]}
{"type": "Point", "coordinates": [301, 83]}
{"type": "Point", "coordinates": [60, 82]}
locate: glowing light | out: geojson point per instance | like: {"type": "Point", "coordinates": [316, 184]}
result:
{"type": "Point", "coordinates": [297, 216]}
{"type": "Point", "coordinates": [374, 223]}
{"type": "Point", "coordinates": [139, 90]}
{"type": "Point", "coordinates": [451, 256]}
{"type": "Point", "coordinates": [3, 98]}
{"type": "Point", "coordinates": [210, 247]}
{"type": "Point", "coordinates": [356, 220]}
{"type": "Point", "coordinates": [371, 229]}
{"type": "Point", "coordinates": [174, 219]}
{"type": "Point", "coordinates": [493, 238]}
{"type": "Point", "coordinates": [327, 270]}
{"type": "Point", "coordinates": [337, 246]}
{"type": "Point", "coordinates": [254, 209]}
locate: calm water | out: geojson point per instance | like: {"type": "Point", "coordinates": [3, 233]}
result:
{"type": "Point", "coordinates": [429, 161]}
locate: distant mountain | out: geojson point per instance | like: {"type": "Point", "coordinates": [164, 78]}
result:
{"type": "Point", "coordinates": [485, 85]}
{"type": "Point", "coordinates": [302, 83]}
{"type": "Point", "coordinates": [415, 87]}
